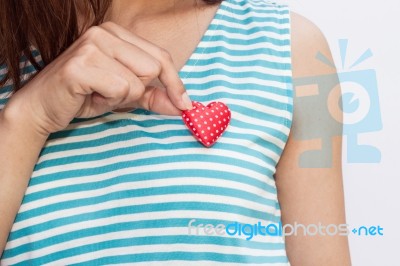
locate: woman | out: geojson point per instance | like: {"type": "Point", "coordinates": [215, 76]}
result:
{"type": "Point", "coordinates": [102, 187]}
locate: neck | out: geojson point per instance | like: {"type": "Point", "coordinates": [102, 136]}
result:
{"type": "Point", "coordinates": [126, 12]}
{"type": "Point", "coordinates": [175, 25]}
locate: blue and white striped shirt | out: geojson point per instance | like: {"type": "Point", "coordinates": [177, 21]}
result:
{"type": "Point", "coordinates": [123, 188]}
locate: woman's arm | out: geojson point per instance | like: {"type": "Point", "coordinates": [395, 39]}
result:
{"type": "Point", "coordinates": [312, 195]}
{"type": "Point", "coordinates": [107, 68]}
{"type": "Point", "coordinates": [20, 147]}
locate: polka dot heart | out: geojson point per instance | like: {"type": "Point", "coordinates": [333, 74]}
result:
{"type": "Point", "coordinates": [207, 123]}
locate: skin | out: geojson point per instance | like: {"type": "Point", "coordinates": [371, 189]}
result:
{"type": "Point", "coordinates": [152, 83]}
{"type": "Point", "coordinates": [311, 195]}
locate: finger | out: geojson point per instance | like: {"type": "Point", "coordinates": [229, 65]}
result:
{"type": "Point", "coordinates": [168, 74]}
{"type": "Point", "coordinates": [156, 99]}
{"type": "Point", "coordinates": [139, 62]}
{"type": "Point", "coordinates": [106, 89]}
{"type": "Point", "coordinates": [150, 98]}
{"type": "Point", "coordinates": [113, 86]}
{"type": "Point", "coordinates": [107, 94]}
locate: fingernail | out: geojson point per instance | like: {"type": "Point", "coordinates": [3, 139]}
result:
{"type": "Point", "coordinates": [186, 101]}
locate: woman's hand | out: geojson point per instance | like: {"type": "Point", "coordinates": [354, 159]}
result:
{"type": "Point", "coordinates": [105, 69]}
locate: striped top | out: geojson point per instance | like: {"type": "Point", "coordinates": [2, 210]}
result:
{"type": "Point", "coordinates": [138, 188]}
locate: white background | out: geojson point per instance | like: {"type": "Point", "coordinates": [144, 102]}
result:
{"type": "Point", "coordinates": [372, 190]}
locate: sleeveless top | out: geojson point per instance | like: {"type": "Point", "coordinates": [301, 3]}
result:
{"type": "Point", "coordinates": [138, 188]}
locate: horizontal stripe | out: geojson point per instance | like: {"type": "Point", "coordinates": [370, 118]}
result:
{"type": "Point", "coordinates": [153, 256]}
{"type": "Point", "coordinates": [128, 207]}
{"type": "Point", "coordinates": [257, 150]}
{"type": "Point", "coordinates": [250, 82]}
{"type": "Point", "coordinates": [194, 167]}
{"type": "Point", "coordinates": [251, 25]}
{"type": "Point", "coordinates": [267, 97]}
{"type": "Point", "coordinates": [240, 39]}
{"type": "Point", "coordinates": [231, 71]}
{"type": "Point", "coordinates": [247, 49]}
{"type": "Point", "coordinates": [236, 66]}
{"type": "Point", "coordinates": [187, 256]}
{"type": "Point", "coordinates": [142, 229]}
{"type": "Point", "coordinates": [278, 88]}
{"type": "Point", "coordinates": [40, 229]}
{"type": "Point", "coordinates": [139, 181]}
{"type": "Point", "coordinates": [225, 58]}
{"type": "Point", "coordinates": [88, 144]}
{"type": "Point", "coordinates": [107, 164]}
{"type": "Point", "coordinates": [124, 193]}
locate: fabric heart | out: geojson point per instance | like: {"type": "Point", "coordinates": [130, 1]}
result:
{"type": "Point", "coordinates": [207, 123]}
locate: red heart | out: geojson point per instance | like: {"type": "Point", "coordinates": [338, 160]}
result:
{"type": "Point", "coordinates": [207, 123]}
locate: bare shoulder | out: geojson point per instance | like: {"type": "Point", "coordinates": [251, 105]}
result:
{"type": "Point", "coordinates": [313, 84]}
{"type": "Point", "coordinates": [307, 41]}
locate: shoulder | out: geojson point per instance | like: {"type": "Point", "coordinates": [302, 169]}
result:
{"type": "Point", "coordinates": [307, 41]}
{"type": "Point", "coordinates": [312, 78]}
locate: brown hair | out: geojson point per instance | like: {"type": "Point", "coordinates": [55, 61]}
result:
{"type": "Point", "coordinates": [51, 24]}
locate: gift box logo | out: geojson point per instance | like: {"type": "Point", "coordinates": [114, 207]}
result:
{"type": "Point", "coordinates": [358, 104]}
